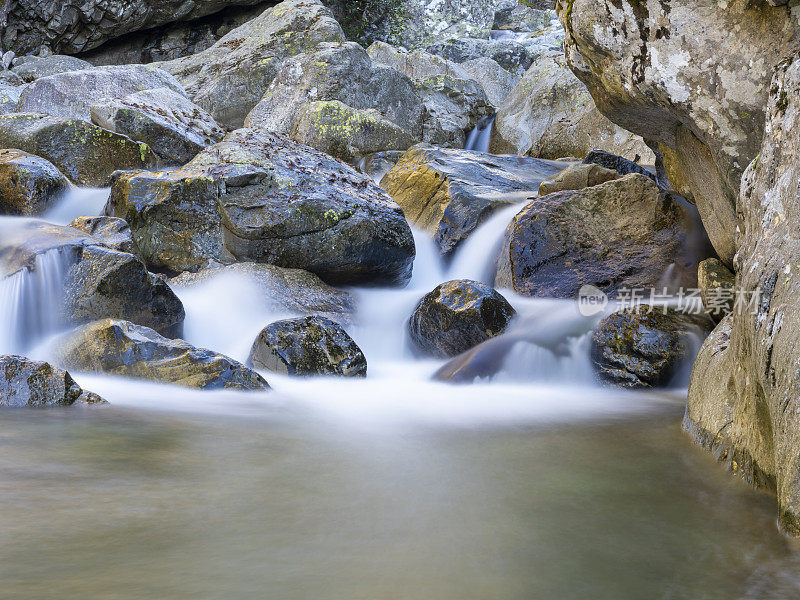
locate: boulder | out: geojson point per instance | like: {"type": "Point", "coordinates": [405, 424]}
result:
{"type": "Point", "coordinates": [28, 184]}
{"type": "Point", "coordinates": [109, 231]}
{"type": "Point", "coordinates": [30, 68]}
{"type": "Point", "coordinates": [229, 78]}
{"type": "Point", "coordinates": [456, 316]}
{"type": "Point", "coordinates": [11, 79]}
{"type": "Point", "coordinates": [651, 78]}
{"type": "Point", "coordinates": [9, 98]}
{"type": "Point", "coordinates": [85, 153]}
{"type": "Point", "coordinates": [496, 81]}
{"type": "Point", "coordinates": [646, 348]}
{"type": "Point", "coordinates": [69, 28]}
{"type": "Point", "coordinates": [26, 382]}
{"type": "Point", "coordinates": [550, 114]}
{"type": "Point", "coordinates": [510, 54]}
{"type": "Point", "coordinates": [259, 197]}
{"type": "Point", "coordinates": [717, 287]}
{"type": "Point", "coordinates": [619, 235]}
{"type": "Point", "coordinates": [620, 164]}
{"type": "Point", "coordinates": [454, 100]}
{"type": "Point", "coordinates": [70, 95]}
{"type": "Point", "coordinates": [288, 290]}
{"type": "Point", "coordinates": [121, 348]}
{"type": "Point", "coordinates": [170, 124]}
{"type": "Point", "coordinates": [310, 345]}
{"type": "Point", "coordinates": [378, 164]}
{"type": "Point", "coordinates": [577, 177]}
{"type": "Point", "coordinates": [449, 193]}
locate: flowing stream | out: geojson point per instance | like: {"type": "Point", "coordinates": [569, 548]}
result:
{"type": "Point", "coordinates": [533, 481]}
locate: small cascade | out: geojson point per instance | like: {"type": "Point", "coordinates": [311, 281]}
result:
{"type": "Point", "coordinates": [479, 138]}
{"type": "Point", "coordinates": [78, 202]}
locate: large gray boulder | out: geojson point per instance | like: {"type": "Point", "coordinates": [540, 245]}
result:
{"type": "Point", "coordinates": [85, 153]}
{"type": "Point", "coordinates": [229, 78]}
{"type": "Point", "coordinates": [259, 197]}
{"type": "Point", "coordinates": [71, 94]}
{"type": "Point", "coordinates": [449, 193]}
{"type": "Point", "coordinates": [173, 126]}
{"type": "Point", "coordinates": [36, 384]}
{"type": "Point", "coordinates": [109, 231]}
{"type": "Point", "coordinates": [511, 55]}
{"type": "Point", "coordinates": [121, 348]}
{"type": "Point", "coordinates": [70, 28]}
{"type": "Point", "coordinates": [29, 185]}
{"type": "Point", "coordinates": [30, 68]}
{"type": "Point", "coordinates": [9, 98]}
{"type": "Point", "coordinates": [496, 81]}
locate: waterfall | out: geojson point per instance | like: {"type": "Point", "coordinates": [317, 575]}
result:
{"type": "Point", "coordinates": [479, 138]}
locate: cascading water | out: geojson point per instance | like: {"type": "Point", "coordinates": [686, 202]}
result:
{"type": "Point", "coordinates": [480, 137]}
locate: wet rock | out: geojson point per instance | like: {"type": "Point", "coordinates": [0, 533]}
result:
{"type": "Point", "coordinates": [229, 78]}
{"type": "Point", "coordinates": [310, 345]}
{"type": "Point", "coordinates": [717, 287]}
{"type": "Point", "coordinates": [109, 231]}
{"type": "Point", "coordinates": [378, 164]}
{"type": "Point", "coordinates": [645, 349]}
{"type": "Point", "coordinates": [70, 95]}
{"type": "Point", "coordinates": [122, 348]}
{"type": "Point", "coordinates": [30, 68]}
{"type": "Point", "coordinates": [170, 124]}
{"type": "Point", "coordinates": [9, 98]}
{"type": "Point", "coordinates": [577, 177]}
{"type": "Point", "coordinates": [258, 197]}
{"type": "Point", "coordinates": [288, 290]}
{"type": "Point", "coordinates": [456, 316]}
{"type": "Point", "coordinates": [85, 153]}
{"type": "Point", "coordinates": [496, 81]}
{"type": "Point", "coordinates": [550, 114]}
{"type": "Point", "coordinates": [28, 184]}
{"type": "Point", "coordinates": [449, 193]}
{"type": "Point", "coordinates": [26, 382]}
{"type": "Point", "coordinates": [622, 234]}
{"type": "Point", "coordinates": [454, 100]}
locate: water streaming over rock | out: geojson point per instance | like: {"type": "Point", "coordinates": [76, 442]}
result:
{"type": "Point", "coordinates": [480, 137]}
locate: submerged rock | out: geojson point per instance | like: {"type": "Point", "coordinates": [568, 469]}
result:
{"type": "Point", "coordinates": [622, 234]}
{"type": "Point", "coordinates": [310, 345]}
{"type": "Point", "coordinates": [85, 153]}
{"type": "Point", "coordinates": [170, 124]}
{"type": "Point", "coordinates": [258, 197]}
{"type": "Point", "coordinates": [122, 348]}
{"type": "Point", "coordinates": [109, 231]}
{"type": "Point", "coordinates": [638, 349]}
{"type": "Point", "coordinates": [26, 382]}
{"type": "Point", "coordinates": [456, 316]}
{"type": "Point", "coordinates": [717, 287]}
{"type": "Point", "coordinates": [28, 184]}
{"type": "Point", "coordinates": [449, 193]}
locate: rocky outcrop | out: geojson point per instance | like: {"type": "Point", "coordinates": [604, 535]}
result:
{"type": "Point", "coordinates": [305, 346]}
{"type": "Point", "coordinates": [717, 287]}
{"type": "Point", "coordinates": [622, 234]}
{"type": "Point", "coordinates": [258, 197]}
{"type": "Point", "coordinates": [229, 78]}
{"type": "Point", "coordinates": [550, 114]}
{"type": "Point", "coordinates": [30, 68]}
{"type": "Point", "coordinates": [646, 347]}
{"type": "Point", "coordinates": [69, 28]}
{"type": "Point", "coordinates": [69, 95]}
{"type": "Point", "coordinates": [26, 382]}
{"type": "Point", "coordinates": [456, 316]}
{"type": "Point", "coordinates": [122, 348]}
{"type": "Point", "coordinates": [648, 75]}
{"type": "Point", "coordinates": [111, 232]}
{"type": "Point", "coordinates": [449, 193]}
{"type": "Point", "coordinates": [169, 123]}
{"type": "Point", "coordinates": [28, 184]}
{"type": "Point", "coordinates": [84, 152]}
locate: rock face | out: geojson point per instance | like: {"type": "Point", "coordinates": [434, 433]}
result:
{"type": "Point", "coordinates": [619, 234]}
{"type": "Point", "coordinates": [310, 345]}
{"type": "Point", "coordinates": [230, 78]}
{"type": "Point", "coordinates": [25, 382]}
{"type": "Point", "coordinates": [449, 193]}
{"type": "Point", "coordinates": [456, 316]}
{"type": "Point", "coordinates": [649, 76]}
{"type": "Point", "coordinates": [454, 100]}
{"type": "Point", "coordinates": [122, 348]}
{"type": "Point", "coordinates": [258, 197]}
{"type": "Point", "coordinates": [30, 68]}
{"type": "Point", "coordinates": [109, 231]}
{"type": "Point", "coordinates": [170, 124]}
{"type": "Point", "coordinates": [28, 184]}
{"type": "Point", "coordinates": [70, 94]}
{"type": "Point", "coordinates": [85, 153]}
{"type": "Point", "coordinates": [744, 390]}
{"type": "Point", "coordinates": [550, 114]}
{"type": "Point", "coordinates": [645, 349]}
{"type": "Point", "coordinates": [717, 287]}
{"type": "Point", "coordinates": [71, 28]}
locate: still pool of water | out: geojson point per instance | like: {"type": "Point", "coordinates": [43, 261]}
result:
{"type": "Point", "coordinates": [123, 504]}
